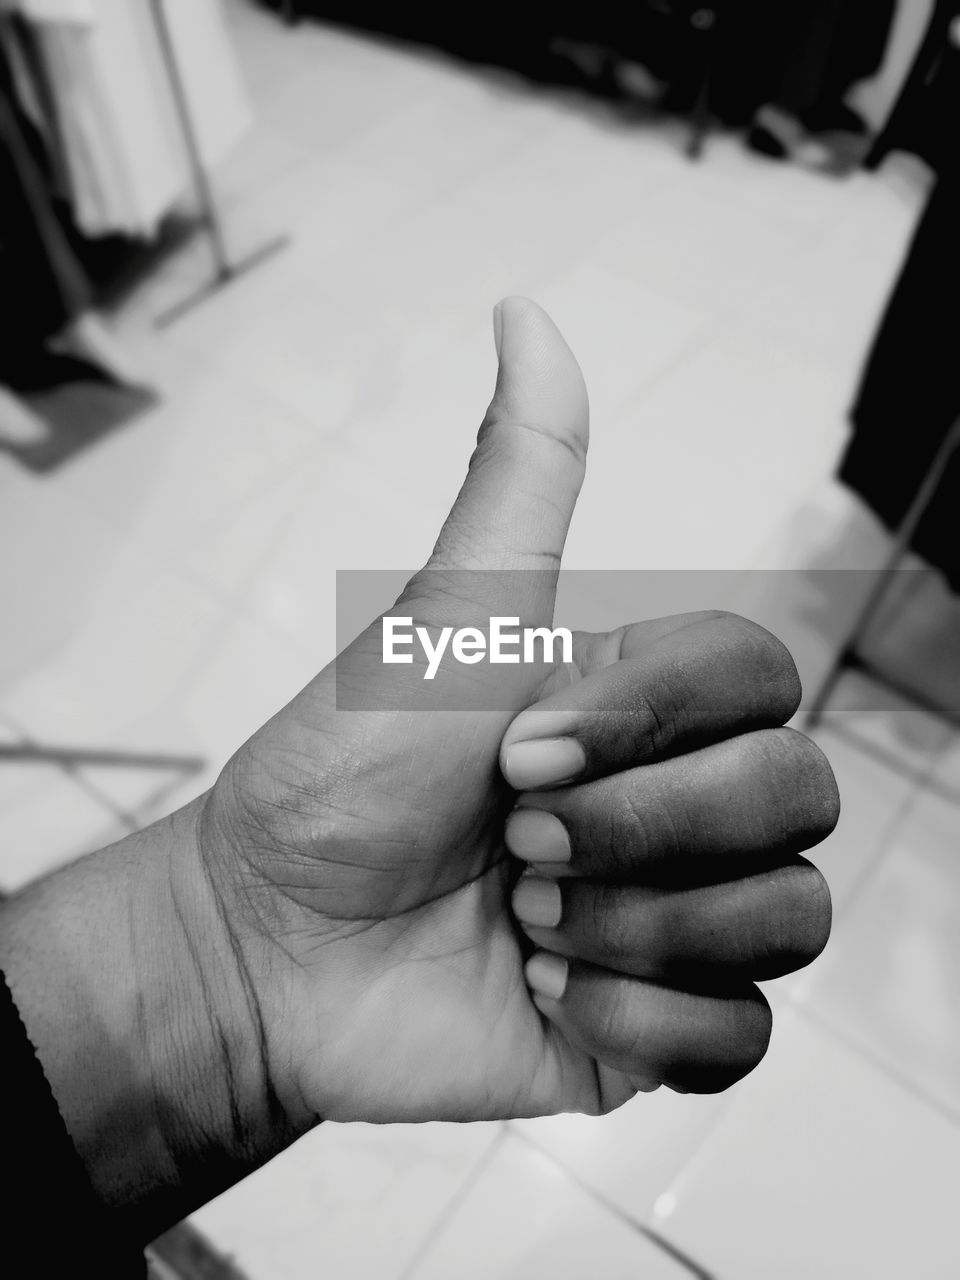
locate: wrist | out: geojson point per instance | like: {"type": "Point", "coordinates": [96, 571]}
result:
{"type": "Point", "coordinates": [134, 995]}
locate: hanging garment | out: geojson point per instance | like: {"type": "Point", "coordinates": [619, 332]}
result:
{"type": "Point", "coordinates": [42, 288]}
{"type": "Point", "coordinates": [910, 392]}
{"type": "Point", "coordinates": [799, 54]}
{"type": "Point", "coordinates": [115, 107]}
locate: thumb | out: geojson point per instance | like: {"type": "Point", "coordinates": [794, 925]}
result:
{"type": "Point", "coordinates": [516, 503]}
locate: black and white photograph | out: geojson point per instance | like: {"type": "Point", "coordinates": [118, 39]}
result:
{"type": "Point", "coordinates": [480, 639]}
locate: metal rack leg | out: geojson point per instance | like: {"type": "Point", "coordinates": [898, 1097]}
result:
{"type": "Point", "coordinates": [904, 536]}
{"type": "Point", "coordinates": [225, 269]}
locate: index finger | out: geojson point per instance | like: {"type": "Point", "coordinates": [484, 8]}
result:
{"type": "Point", "coordinates": [714, 676]}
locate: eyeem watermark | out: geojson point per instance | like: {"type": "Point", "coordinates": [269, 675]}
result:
{"type": "Point", "coordinates": [504, 642]}
{"type": "Point", "coordinates": [408, 648]}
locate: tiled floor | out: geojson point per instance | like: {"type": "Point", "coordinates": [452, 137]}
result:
{"type": "Point", "coordinates": [173, 587]}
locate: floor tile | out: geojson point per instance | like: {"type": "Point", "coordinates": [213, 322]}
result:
{"type": "Point", "coordinates": [623, 336]}
{"type": "Point", "coordinates": [522, 1217]}
{"type": "Point", "coordinates": [61, 556]}
{"type": "Point", "coordinates": [47, 826]}
{"type": "Point", "coordinates": [246, 675]}
{"type": "Point", "coordinates": [824, 1167]}
{"type": "Point", "coordinates": [284, 333]}
{"type": "Point", "coordinates": [631, 1156]}
{"type": "Point", "coordinates": [882, 722]}
{"type": "Point", "coordinates": [700, 243]}
{"type": "Point", "coordinates": [351, 1201]}
{"type": "Point", "coordinates": [665, 484]}
{"type": "Point", "coordinates": [888, 981]}
{"type": "Point", "coordinates": [438, 151]}
{"type": "Point", "coordinates": [351, 516]}
{"type": "Point", "coordinates": [874, 800]}
{"type": "Point", "coordinates": [327, 206]}
{"type": "Point", "coordinates": [202, 453]}
{"type": "Point", "coordinates": [126, 654]}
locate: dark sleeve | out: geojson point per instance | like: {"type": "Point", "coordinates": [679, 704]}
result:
{"type": "Point", "coordinates": [49, 1208]}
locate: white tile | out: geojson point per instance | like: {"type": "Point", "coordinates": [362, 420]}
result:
{"type": "Point", "coordinates": [695, 473]}
{"type": "Point", "coordinates": [828, 302]}
{"type": "Point", "coordinates": [700, 242]}
{"type": "Point", "coordinates": [262, 159]}
{"type": "Point", "coordinates": [321, 340]}
{"type": "Point", "coordinates": [623, 335]}
{"type": "Point", "coordinates": [873, 799]}
{"type": "Point", "coordinates": [328, 206]}
{"type": "Point", "coordinates": [352, 515]}
{"type": "Point", "coordinates": [352, 1201]}
{"type": "Point", "coordinates": [128, 652]}
{"type": "Point", "coordinates": [631, 1156]}
{"type": "Point", "coordinates": [887, 982]}
{"type": "Point", "coordinates": [824, 1167]}
{"type": "Point", "coordinates": [522, 1217]}
{"type": "Point", "coordinates": [437, 148]}
{"type": "Point", "coordinates": [831, 529]}
{"type": "Point", "coordinates": [906, 738]}
{"type": "Point", "coordinates": [424, 434]}
{"type": "Point", "coordinates": [60, 558]}
{"type": "Point", "coordinates": [246, 675]}
{"type": "Point", "coordinates": [48, 826]}
{"type": "Point", "coordinates": [783, 192]}
{"type": "Point", "coordinates": [333, 99]}
{"type": "Point", "coordinates": [202, 453]}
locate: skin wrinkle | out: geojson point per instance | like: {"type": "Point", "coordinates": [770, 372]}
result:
{"type": "Point", "coordinates": [272, 1108]}
{"type": "Point", "coordinates": [574, 447]}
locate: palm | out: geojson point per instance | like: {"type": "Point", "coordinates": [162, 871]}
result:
{"type": "Point", "coordinates": [398, 946]}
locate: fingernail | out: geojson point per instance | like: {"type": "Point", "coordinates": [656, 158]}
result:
{"type": "Point", "coordinates": [547, 974]}
{"type": "Point", "coordinates": [498, 329]}
{"type": "Point", "coordinates": [538, 902]}
{"type": "Point", "coordinates": [546, 763]}
{"type": "Point", "coordinates": [536, 836]}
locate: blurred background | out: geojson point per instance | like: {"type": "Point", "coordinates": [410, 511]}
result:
{"type": "Point", "coordinates": [248, 254]}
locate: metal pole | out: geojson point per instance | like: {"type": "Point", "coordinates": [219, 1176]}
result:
{"type": "Point", "coordinates": [904, 535]}
{"type": "Point", "coordinates": [226, 269]}
{"type": "Point", "coordinates": [198, 173]}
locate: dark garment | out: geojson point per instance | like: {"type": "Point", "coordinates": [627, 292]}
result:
{"type": "Point", "coordinates": [802, 55]}
{"type": "Point", "coordinates": [909, 395]}
{"type": "Point", "coordinates": [925, 117]}
{"type": "Point", "coordinates": [51, 1217]}
{"type": "Point", "coordinates": [42, 287]}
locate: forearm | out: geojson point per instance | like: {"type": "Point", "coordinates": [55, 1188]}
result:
{"type": "Point", "coordinates": [128, 983]}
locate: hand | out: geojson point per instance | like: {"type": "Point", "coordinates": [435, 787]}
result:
{"type": "Point", "coordinates": [360, 855]}
{"type": "Point", "coordinates": [337, 929]}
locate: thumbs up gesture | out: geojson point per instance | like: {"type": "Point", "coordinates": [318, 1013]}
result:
{"type": "Point", "coordinates": [540, 904]}
{"type": "Point", "coordinates": [552, 886]}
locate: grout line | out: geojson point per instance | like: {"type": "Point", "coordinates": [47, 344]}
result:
{"type": "Point", "coordinates": [600, 1198]}
{"type": "Point", "coordinates": [877, 1062]}
{"type": "Point", "coordinates": [904, 811]}
{"type": "Point", "coordinates": [449, 1210]}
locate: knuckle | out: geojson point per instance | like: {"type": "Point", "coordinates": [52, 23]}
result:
{"type": "Point", "coordinates": [815, 787]}
{"type": "Point", "coordinates": [794, 926]}
{"type": "Point", "coordinates": [610, 923]}
{"type": "Point", "coordinates": [776, 673]}
{"type": "Point", "coordinates": [800, 778]}
{"type": "Point", "coordinates": [739, 1040]}
{"type": "Point", "coordinates": [755, 1023]}
{"type": "Point", "coordinates": [811, 911]}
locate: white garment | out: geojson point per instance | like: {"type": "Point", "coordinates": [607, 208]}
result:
{"type": "Point", "coordinates": [124, 143]}
{"type": "Point", "coordinates": [51, 10]}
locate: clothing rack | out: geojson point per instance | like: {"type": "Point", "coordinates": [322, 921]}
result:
{"type": "Point", "coordinates": [226, 269]}
{"type": "Point", "coordinates": [849, 658]}
{"type": "Point", "coordinates": [74, 760]}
